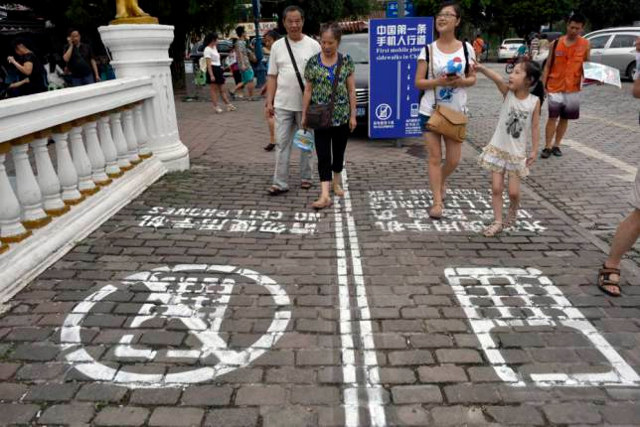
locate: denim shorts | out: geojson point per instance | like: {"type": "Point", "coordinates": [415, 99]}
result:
{"type": "Point", "coordinates": [423, 122]}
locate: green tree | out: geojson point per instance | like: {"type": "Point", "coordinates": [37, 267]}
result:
{"type": "Point", "coordinates": [610, 13]}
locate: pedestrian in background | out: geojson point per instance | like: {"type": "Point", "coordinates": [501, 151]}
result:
{"type": "Point", "coordinates": [478, 47]}
{"type": "Point", "coordinates": [327, 73]}
{"type": "Point", "coordinates": [80, 60]}
{"type": "Point", "coordinates": [31, 73]}
{"type": "Point", "coordinates": [244, 65]}
{"type": "Point", "coordinates": [629, 230]}
{"type": "Point", "coordinates": [285, 87]}
{"type": "Point", "coordinates": [269, 39]}
{"type": "Point", "coordinates": [506, 153]}
{"type": "Point", "coordinates": [215, 74]}
{"type": "Point", "coordinates": [232, 63]}
{"type": "Point", "coordinates": [452, 61]}
{"type": "Point", "coordinates": [563, 75]}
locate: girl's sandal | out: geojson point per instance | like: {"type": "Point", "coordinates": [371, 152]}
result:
{"type": "Point", "coordinates": [512, 217]}
{"type": "Point", "coordinates": [436, 211]}
{"type": "Point", "coordinates": [493, 230]}
{"type": "Point", "coordinates": [322, 204]}
{"type": "Point", "coordinates": [606, 283]}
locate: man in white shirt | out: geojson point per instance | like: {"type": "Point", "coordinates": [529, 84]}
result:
{"type": "Point", "coordinates": [284, 96]}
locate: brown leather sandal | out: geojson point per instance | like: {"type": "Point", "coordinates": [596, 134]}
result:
{"type": "Point", "coordinates": [605, 282]}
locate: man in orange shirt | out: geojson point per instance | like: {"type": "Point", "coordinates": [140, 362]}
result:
{"type": "Point", "coordinates": [478, 47]}
{"type": "Point", "coordinates": [563, 79]}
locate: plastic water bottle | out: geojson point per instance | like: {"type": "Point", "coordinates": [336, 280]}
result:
{"type": "Point", "coordinates": [304, 140]}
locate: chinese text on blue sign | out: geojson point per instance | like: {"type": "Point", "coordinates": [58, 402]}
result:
{"type": "Point", "coordinates": [392, 9]}
{"type": "Point", "coordinates": [394, 46]}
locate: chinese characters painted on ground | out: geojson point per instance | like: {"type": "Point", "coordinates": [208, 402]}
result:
{"type": "Point", "coordinates": [231, 220]}
{"type": "Point", "coordinates": [465, 211]}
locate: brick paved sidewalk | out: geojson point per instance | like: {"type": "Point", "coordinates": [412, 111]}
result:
{"type": "Point", "coordinates": [207, 302]}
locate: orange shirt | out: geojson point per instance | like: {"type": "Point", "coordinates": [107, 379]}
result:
{"type": "Point", "coordinates": [478, 45]}
{"type": "Point", "coordinates": [566, 74]}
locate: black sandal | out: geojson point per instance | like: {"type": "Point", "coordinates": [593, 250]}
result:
{"type": "Point", "coordinates": [276, 191]}
{"type": "Point", "coordinates": [604, 280]}
{"type": "Point", "coordinates": [269, 147]}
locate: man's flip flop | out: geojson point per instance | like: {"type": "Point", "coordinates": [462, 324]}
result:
{"type": "Point", "coordinates": [276, 191]}
{"type": "Point", "coordinates": [306, 185]}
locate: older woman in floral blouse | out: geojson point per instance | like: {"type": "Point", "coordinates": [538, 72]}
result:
{"type": "Point", "coordinates": [331, 142]}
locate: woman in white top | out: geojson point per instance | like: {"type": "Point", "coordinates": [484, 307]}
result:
{"type": "Point", "coordinates": [453, 73]}
{"type": "Point", "coordinates": [215, 74]}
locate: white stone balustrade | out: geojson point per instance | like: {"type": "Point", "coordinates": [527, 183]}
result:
{"type": "Point", "coordinates": [99, 132]}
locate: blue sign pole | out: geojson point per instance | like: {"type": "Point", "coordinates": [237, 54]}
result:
{"type": "Point", "coordinates": [394, 104]}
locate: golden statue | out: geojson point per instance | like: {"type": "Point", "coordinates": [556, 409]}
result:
{"type": "Point", "coordinates": [128, 12]}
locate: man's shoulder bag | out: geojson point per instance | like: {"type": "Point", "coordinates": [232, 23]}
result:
{"type": "Point", "coordinates": [320, 116]}
{"type": "Point", "coordinates": [445, 121]}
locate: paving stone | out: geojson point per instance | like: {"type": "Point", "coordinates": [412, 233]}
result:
{"type": "Point", "coordinates": [260, 395]}
{"type": "Point", "coordinates": [572, 413]}
{"type": "Point", "coordinates": [412, 357]}
{"type": "Point", "coordinates": [442, 374]}
{"type": "Point", "coordinates": [51, 392]}
{"type": "Point", "coordinates": [317, 357]}
{"type": "Point", "coordinates": [518, 415]}
{"type": "Point", "coordinates": [458, 356]}
{"type": "Point", "coordinates": [75, 413]}
{"type": "Point", "coordinates": [98, 392]}
{"type": "Point", "coordinates": [314, 395]}
{"type": "Point", "coordinates": [11, 391]}
{"type": "Point", "coordinates": [207, 395]}
{"type": "Point", "coordinates": [416, 394]}
{"type": "Point", "coordinates": [17, 413]}
{"type": "Point", "coordinates": [35, 352]}
{"type": "Point", "coordinates": [7, 370]}
{"type": "Point", "coordinates": [290, 375]}
{"type": "Point", "coordinates": [41, 371]}
{"type": "Point", "coordinates": [232, 417]}
{"type": "Point", "coordinates": [122, 416]}
{"type": "Point", "coordinates": [289, 416]}
{"type": "Point", "coordinates": [156, 397]}
{"type": "Point", "coordinates": [628, 414]}
{"type": "Point", "coordinates": [472, 393]}
{"type": "Point", "coordinates": [411, 415]}
{"type": "Point", "coordinates": [176, 417]}
{"type": "Point", "coordinates": [458, 415]}
{"type": "Point", "coordinates": [396, 376]}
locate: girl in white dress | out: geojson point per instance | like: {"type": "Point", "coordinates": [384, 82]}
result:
{"type": "Point", "coordinates": [507, 151]}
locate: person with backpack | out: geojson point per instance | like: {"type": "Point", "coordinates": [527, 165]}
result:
{"type": "Point", "coordinates": [32, 75]}
{"type": "Point", "coordinates": [244, 63]}
{"type": "Point", "coordinates": [285, 87]}
{"type": "Point", "coordinates": [444, 72]}
{"type": "Point", "coordinates": [212, 64]}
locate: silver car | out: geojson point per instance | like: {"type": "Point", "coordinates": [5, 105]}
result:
{"type": "Point", "coordinates": [615, 47]}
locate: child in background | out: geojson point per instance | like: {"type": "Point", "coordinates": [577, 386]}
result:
{"type": "Point", "coordinates": [507, 151]}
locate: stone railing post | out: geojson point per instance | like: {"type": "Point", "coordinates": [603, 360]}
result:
{"type": "Point", "coordinates": [108, 147]}
{"type": "Point", "coordinates": [143, 50]}
{"type": "Point", "coordinates": [11, 229]}
{"type": "Point", "coordinates": [94, 151]}
{"type": "Point", "coordinates": [66, 170]}
{"type": "Point", "coordinates": [47, 177]}
{"type": "Point", "coordinates": [29, 194]}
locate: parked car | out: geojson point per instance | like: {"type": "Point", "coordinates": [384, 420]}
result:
{"type": "Point", "coordinates": [615, 47]}
{"type": "Point", "coordinates": [357, 46]}
{"type": "Point", "coordinates": [509, 48]}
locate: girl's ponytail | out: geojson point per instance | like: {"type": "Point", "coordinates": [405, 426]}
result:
{"type": "Point", "coordinates": [534, 74]}
{"type": "Point", "coordinates": [538, 90]}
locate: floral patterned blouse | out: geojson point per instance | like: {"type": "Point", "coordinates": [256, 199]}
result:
{"type": "Point", "coordinates": [321, 78]}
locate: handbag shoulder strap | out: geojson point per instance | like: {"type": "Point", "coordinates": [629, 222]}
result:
{"type": "Point", "coordinates": [433, 73]}
{"type": "Point", "coordinates": [465, 49]}
{"type": "Point", "coordinates": [336, 80]}
{"type": "Point", "coordinates": [293, 61]}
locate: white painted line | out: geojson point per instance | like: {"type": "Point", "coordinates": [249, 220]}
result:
{"type": "Point", "coordinates": [629, 170]}
{"type": "Point", "coordinates": [374, 389]}
{"type": "Point", "coordinates": [530, 287]}
{"type": "Point", "coordinates": [346, 334]}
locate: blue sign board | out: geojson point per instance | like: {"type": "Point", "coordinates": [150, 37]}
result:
{"type": "Point", "coordinates": [392, 9]}
{"type": "Point", "coordinates": [394, 46]}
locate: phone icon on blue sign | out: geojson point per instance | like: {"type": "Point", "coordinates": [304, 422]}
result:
{"type": "Point", "coordinates": [415, 110]}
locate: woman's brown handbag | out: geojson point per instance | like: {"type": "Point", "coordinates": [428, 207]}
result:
{"type": "Point", "coordinates": [445, 121]}
{"type": "Point", "coordinates": [320, 116]}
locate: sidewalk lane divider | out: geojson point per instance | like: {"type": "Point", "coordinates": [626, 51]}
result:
{"type": "Point", "coordinates": [374, 390]}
